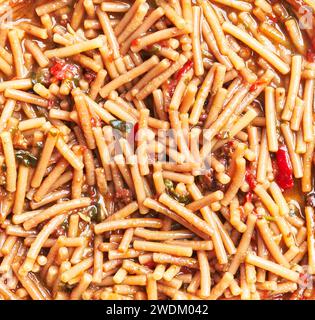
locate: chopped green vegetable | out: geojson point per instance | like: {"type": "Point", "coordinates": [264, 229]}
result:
{"type": "Point", "coordinates": [72, 83]}
{"type": "Point", "coordinates": [269, 218]}
{"type": "Point", "coordinates": [151, 50]}
{"type": "Point", "coordinates": [170, 190]}
{"type": "Point", "coordinates": [26, 158]}
{"type": "Point", "coordinates": [168, 184]}
{"type": "Point", "coordinates": [66, 287]}
{"type": "Point", "coordinates": [155, 48]}
{"type": "Point", "coordinates": [41, 76]}
{"type": "Point", "coordinates": [96, 213]}
{"type": "Point", "coordinates": [292, 213]}
{"type": "Point", "coordinates": [122, 126]}
{"type": "Point", "coordinates": [181, 198]}
{"type": "Point", "coordinates": [68, 83]}
{"type": "Point", "coordinates": [76, 80]}
{"type": "Point", "coordinates": [41, 112]}
{"type": "Point", "coordinates": [39, 144]}
{"type": "Point", "coordinates": [65, 224]}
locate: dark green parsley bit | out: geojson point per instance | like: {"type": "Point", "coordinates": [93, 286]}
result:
{"type": "Point", "coordinates": [170, 190]}
{"type": "Point", "coordinates": [65, 224]}
{"type": "Point", "coordinates": [292, 212]}
{"type": "Point", "coordinates": [168, 184]}
{"type": "Point", "coordinates": [185, 199]}
{"type": "Point", "coordinates": [42, 76]}
{"type": "Point", "coordinates": [154, 49]}
{"type": "Point", "coordinates": [26, 158]}
{"type": "Point", "coordinates": [95, 213]}
{"type": "Point", "coordinates": [122, 126]}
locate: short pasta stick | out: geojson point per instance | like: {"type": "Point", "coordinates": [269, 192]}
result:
{"type": "Point", "coordinates": [9, 154]}
{"type": "Point", "coordinates": [75, 48]}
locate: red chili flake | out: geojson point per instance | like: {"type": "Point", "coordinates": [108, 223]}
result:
{"type": "Point", "coordinates": [184, 69]}
{"type": "Point", "coordinates": [92, 193]}
{"type": "Point", "coordinates": [123, 193]}
{"type": "Point", "coordinates": [110, 57]}
{"type": "Point", "coordinates": [83, 148]}
{"type": "Point", "coordinates": [95, 122]}
{"type": "Point", "coordinates": [171, 87]}
{"type": "Point", "coordinates": [256, 84]}
{"type": "Point", "coordinates": [273, 18]}
{"type": "Point", "coordinates": [173, 83]}
{"type": "Point", "coordinates": [250, 178]}
{"type": "Point", "coordinates": [133, 134]}
{"type": "Point", "coordinates": [60, 231]}
{"type": "Point", "coordinates": [135, 42]}
{"type": "Point", "coordinates": [62, 70]}
{"type": "Point", "coordinates": [283, 168]}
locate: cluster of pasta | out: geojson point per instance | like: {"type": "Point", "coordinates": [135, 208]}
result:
{"type": "Point", "coordinates": [157, 149]}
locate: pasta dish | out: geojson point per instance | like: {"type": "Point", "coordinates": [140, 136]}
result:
{"type": "Point", "coordinates": [157, 149]}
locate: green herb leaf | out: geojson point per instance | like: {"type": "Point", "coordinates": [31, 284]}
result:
{"type": "Point", "coordinates": [154, 49]}
{"type": "Point", "coordinates": [269, 218]}
{"type": "Point", "coordinates": [292, 212]}
{"type": "Point", "coordinates": [181, 198]}
{"type": "Point", "coordinates": [168, 184]}
{"type": "Point", "coordinates": [65, 224]}
{"type": "Point", "coordinates": [26, 158]}
{"type": "Point", "coordinates": [178, 197]}
{"type": "Point", "coordinates": [95, 213]}
{"type": "Point", "coordinates": [42, 76]}
{"type": "Point", "coordinates": [122, 126]}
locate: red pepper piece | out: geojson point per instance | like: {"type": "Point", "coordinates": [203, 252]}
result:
{"type": "Point", "coordinates": [133, 135]}
{"type": "Point", "coordinates": [135, 42]}
{"type": "Point", "coordinates": [284, 176]}
{"type": "Point", "coordinates": [173, 83]}
{"type": "Point", "coordinates": [255, 85]}
{"type": "Point", "coordinates": [95, 122]}
{"type": "Point", "coordinates": [184, 69]}
{"type": "Point", "coordinates": [62, 70]}
{"type": "Point", "coordinates": [250, 178]}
